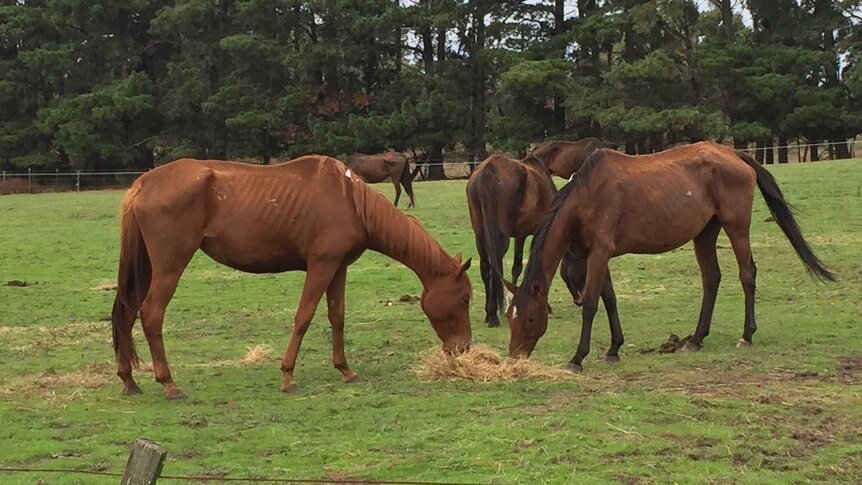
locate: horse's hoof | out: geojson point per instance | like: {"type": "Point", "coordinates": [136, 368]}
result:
{"type": "Point", "coordinates": [611, 359]}
{"type": "Point", "coordinates": [576, 368]}
{"type": "Point", "coordinates": [291, 388]}
{"type": "Point", "coordinates": [354, 379]}
{"type": "Point", "coordinates": [690, 347]}
{"type": "Point", "coordinates": [176, 394]}
{"type": "Point", "coordinates": [131, 390]}
{"type": "Point", "coordinates": [493, 323]}
{"type": "Point", "coordinates": [743, 344]}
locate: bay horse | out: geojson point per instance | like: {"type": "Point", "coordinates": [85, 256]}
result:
{"type": "Point", "coordinates": [564, 158]}
{"type": "Point", "coordinates": [618, 204]}
{"type": "Point", "coordinates": [311, 214]}
{"type": "Point", "coordinates": [506, 199]}
{"type": "Point", "coordinates": [376, 168]}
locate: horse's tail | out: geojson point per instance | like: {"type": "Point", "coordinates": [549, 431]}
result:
{"type": "Point", "coordinates": [133, 281]}
{"type": "Point", "coordinates": [407, 181]}
{"type": "Point", "coordinates": [782, 212]}
{"type": "Point", "coordinates": [493, 238]}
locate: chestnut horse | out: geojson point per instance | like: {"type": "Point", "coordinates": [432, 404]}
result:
{"type": "Point", "coordinates": [618, 204]}
{"type": "Point", "coordinates": [507, 199]}
{"type": "Point", "coordinates": [310, 214]}
{"type": "Point", "coordinates": [376, 168]}
{"type": "Point", "coordinates": [564, 158]}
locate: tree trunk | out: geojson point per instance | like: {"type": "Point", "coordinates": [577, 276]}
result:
{"type": "Point", "coordinates": [477, 135]}
{"type": "Point", "coordinates": [427, 43]}
{"type": "Point", "coordinates": [559, 29]}
{"type": "Point", "coordinates": [769, 144]}
{"type": "Point", "coordinates": [435, 162]}
{"type": "Point", "coordinates": [782, 149]}
{"type": "Point", "coordinates": [441, 44]}
{"type": "Point", "coordinates": [815, 152]}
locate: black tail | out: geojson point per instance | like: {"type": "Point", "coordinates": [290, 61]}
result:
{"type": "Point", "coordinates": [782, 212]}
{"type": "Point", "coordinates": [407, 182]}
{"type": "Point", "coordinates": [494, 240]}
{"type": "Point", "coordinates": [133, 282]}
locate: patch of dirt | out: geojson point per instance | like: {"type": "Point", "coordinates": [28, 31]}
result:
{"type": "Point", "coordinates": [409, 299]}
{"type": "Point", "coordinates": [850, 366]}
{"type": "Point", "coordinates": [17, 283]}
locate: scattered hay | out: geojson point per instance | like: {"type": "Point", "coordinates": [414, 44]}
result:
{"type": "Point", "coordinates": [481, 363]}
{"type": "Point", "coordinates": [256, 355]}
{"type": "Point", "coordinates": [105, 285]}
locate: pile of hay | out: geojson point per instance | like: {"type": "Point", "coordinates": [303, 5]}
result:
{"type": "Point", "coordinates": [481, 363]}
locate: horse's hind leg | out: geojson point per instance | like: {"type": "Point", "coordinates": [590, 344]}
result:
{"type": "Point", "coordinates": [162, 289]}
{"type": "Point", "coordinates": [124, 353]}
{"type": "Point", "coordinates": [710, 274]}
{"type": "Point", "coordinates": [335, 304]}
{"type": "Point", "coordinates": [397, 185]}
{"type": "Point", "coordinates": [486, 273]}
{"type": "Point", "coordinates": [318, 277]}
{"type": "Point", "coordinates": [739, 239]}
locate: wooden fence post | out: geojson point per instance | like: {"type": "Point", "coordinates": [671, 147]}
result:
{"type": "Point", "coordinates": [145, 463]}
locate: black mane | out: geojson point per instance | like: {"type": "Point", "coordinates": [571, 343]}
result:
{"type": "Point", "coordinates": [534, 271]}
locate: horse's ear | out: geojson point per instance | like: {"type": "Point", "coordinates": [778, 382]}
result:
{"type": "Point", "coordinates": [466, 265]}
{"type": "Point", "coordinates": [458, 258]}
{"type": "Point", "coordinates": [510, 286]}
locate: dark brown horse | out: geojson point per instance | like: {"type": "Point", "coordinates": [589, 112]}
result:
{"type": "Point", "coordinates": [376, 168]}
{"type": "Point", "coordinates": [563, 158]}
{"type": "Point", "coordinates": [618, 204]}
{"type": "Point", "coordinates": [507, 199]}
{"type": "Point", "coordinates": [270, 219]}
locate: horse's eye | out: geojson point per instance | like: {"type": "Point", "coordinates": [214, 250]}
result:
{"type": "Point", "coordinates": [466, 298]}
{"type": "Point", "coordinates": [531, 318]}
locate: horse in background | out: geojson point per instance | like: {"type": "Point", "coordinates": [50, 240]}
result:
{"type": "Point", "coordinates": [376, 168]}
{"type": "Point", "coordinates": [564, 158]}
{"type": "Point", "coordinates": [270, 219]}
{"type": "Point", "coordinates": [506, 199]}
{"type": "Point", "coordinates": [619, 204]}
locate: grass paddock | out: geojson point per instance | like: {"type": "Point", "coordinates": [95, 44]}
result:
{"type": "Point", "coordinates": [787, 410]}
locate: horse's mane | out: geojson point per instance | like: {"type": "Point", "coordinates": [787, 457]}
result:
{"type": "Point", "coordinates": [534, 271]}
{"type": "Point", "coordinates": [398, 235]}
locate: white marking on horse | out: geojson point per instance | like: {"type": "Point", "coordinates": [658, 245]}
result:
{"type": "Point", "coordinates": [348, 174]}
{"type": "Point", "coordinates": [688, 193]}
{"type": "Point", "coordinates": [514, 312]}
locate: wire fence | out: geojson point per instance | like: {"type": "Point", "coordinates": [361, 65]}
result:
{"type": "Point", "coordinates": [29, 181]}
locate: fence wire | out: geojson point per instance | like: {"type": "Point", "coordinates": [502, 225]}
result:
{"type": "Point", "coordinates": [36, 182]}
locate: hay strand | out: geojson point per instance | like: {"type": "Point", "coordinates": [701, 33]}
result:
{"type": "Point", "coordinates": [482, 364]}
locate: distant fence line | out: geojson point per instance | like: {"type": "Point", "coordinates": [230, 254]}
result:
{"type": "Point", "coordinates": [40, 181]}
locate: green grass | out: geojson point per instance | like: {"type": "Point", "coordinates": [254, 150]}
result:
{"type": "Point", "coordinates": [788, 410]}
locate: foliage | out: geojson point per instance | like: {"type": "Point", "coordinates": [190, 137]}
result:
{"type": "Point", "coordinates": [132, 84]}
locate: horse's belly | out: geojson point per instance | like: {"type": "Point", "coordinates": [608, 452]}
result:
{"type": "Point", "coordinates": [258, 259]}
{"type": "Point", "coordinates": [654, 235]}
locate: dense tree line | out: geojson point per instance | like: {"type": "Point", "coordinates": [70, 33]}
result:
{"type": "Point", "coordinates": [132, 83]}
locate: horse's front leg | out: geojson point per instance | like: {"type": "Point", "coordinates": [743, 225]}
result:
{"type": "Point", "coordinates": [597, 270]}
{"type": "Point", "coordinates": [609, 298]}
{"type": "Point", "coordinates": [335, 304]}
{"type": "Point", "coordinates": [318, 277]}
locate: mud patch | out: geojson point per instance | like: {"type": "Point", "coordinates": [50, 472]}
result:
{"type": "Point", "coordinates": [850, 366]}
{"type": "Point", "coordinates": [17, 283]}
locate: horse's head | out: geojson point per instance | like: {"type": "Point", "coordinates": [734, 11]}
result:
{"type": "Point", "coordinates": [528, 317]}
{"type": "Point", "coordinates": [446, 302]}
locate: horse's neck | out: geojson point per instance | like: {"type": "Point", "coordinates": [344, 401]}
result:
{"type": "Point", "coordinates": [392, 233]}
{"type": "Point", "coordinates": [557, 241]}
